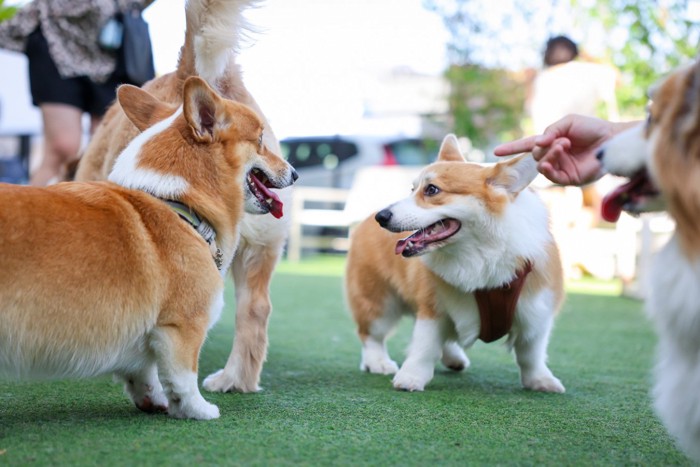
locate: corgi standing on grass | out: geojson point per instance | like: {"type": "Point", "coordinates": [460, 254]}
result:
{"type": "Point", "coordinates": [479, 262]}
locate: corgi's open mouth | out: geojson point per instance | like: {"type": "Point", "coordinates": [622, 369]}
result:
{"type": "Point", "coordinates": [635, 196]}
{"type": "Point", "coordinates": [259, 185]}
{"type": "Point", "coordinates": [428, 238]}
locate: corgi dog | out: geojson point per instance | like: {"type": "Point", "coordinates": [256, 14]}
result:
{"type": "Point", "coordinates": [661, 157]}
{"type": "Point", "coordinates": [480, 263]}
{"type": "Point", "coordinates": [126, 276]}
{"type": "Point", "coordinates": [212, 38]}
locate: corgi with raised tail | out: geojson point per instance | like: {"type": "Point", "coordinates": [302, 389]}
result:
{"type": "Point", "coordinates": [126, 276]}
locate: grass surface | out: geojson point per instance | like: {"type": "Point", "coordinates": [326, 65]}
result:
{"type": "Point", "coordinates": [317, 408]}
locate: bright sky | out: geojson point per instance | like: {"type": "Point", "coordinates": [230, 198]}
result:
{"type": "Point", "coordinates": [309, 66]}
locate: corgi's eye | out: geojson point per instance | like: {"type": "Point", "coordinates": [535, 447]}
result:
{"type": "Point", "coordinates": [431, 190]}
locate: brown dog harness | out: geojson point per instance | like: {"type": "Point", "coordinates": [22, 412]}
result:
{"type": "Point", "coordinates": [497, 306]}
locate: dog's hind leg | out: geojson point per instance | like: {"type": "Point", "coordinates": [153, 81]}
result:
{"type": "Point", "coordinates": [144, 388]}
{"type": "Point", "coordinates": [252, 273]}
{"type": "Point", "coordinates": [453, 356]}
{"type": "Point", "coordinates": [375, 356]}
{"type": "Point", "coordinates": [376, 320]}
{"type": "Point", "coordinates": [177, 349]}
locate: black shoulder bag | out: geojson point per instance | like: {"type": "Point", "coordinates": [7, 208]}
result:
{"type": "Point", "coordinates": [132, 46]}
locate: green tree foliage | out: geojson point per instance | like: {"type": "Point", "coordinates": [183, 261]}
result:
{"type": "Point", "coordinates": [486, 103]}
{"type": "Point", "coordinates": [6, 12]}
{"type": "Point", "coordinates": [491, 40]}
{"type": "Point", "coordinates": [647, 39]}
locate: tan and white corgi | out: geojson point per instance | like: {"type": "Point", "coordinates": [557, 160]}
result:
{"type": "Point", "coordinates": [662, 159]}
{"type": "Point", "coordinates": [126, 276]}
{"type": "Point", "coordinates": [212, 40]}
{"type": "Point", "coordinates": [480, 263]}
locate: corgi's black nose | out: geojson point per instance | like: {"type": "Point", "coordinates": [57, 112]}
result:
{"type": "Point", "coordinates": [599, 154]}
{"type": "Point", "coordinates": [295, 175]}
{"type": "Point", "coordinates": [383, 217]}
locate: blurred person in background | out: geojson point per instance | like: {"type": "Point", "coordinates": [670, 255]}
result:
{"type": "Point", "coordinates": [568, 85]}
{"type": "Point", "coordinates": [69, 73]}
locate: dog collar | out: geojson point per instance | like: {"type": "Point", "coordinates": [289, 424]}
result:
{"type": "Point", "coordinates": [203, 228]}
{"type": "Point", "coordinates": [497, 306]}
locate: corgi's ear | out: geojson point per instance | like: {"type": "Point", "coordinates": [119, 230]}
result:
{"type": "Point", "coordinates": [142, 108]}
{"type": "Point", "coordinates": [515, 174]}
{"type": "Point", "coordinates": [203, 110]}
{"type": "Point", "coordinates": [449, 150]}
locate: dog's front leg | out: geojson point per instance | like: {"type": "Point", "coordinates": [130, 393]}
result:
{"type": "Point", "coordinates": [252, 273]}
{"type": "Point", "coordinates": [534, 322]}
{"type": "Point", "coordinates": [424, 351]}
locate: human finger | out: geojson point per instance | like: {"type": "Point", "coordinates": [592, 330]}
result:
{"type": "Point", "coordinates": [560, 166]}
{"type": "Point", "coordinates": [554, 175]}
{"type": "Point", "coordinates": [560, 128]}
{"type": "Point", "coordinates": [559, 146]}
{"type": "Point", "coordinates": [515, 147]}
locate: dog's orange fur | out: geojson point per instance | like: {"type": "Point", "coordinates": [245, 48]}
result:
{"type": "Point", "coordinates": [262, 239]}
{"type": "Point", "coordinates": [98, 278]}
{"type": "Point", "coordinates": [677, 176]}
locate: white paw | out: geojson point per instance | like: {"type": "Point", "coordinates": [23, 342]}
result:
{"type": "Point", "coordinates": [547, 383]}
{"type": "Point", "coordinates": [148, 396]}
{"type": "Point", "coordinates": [454, 358]}
{"type": "Point", "coordinates": [407, 380]}
{"type": "Point", "coordinates": [197, 408]}
{"type": "Point", "coordinates": [223, 381]}
{"type": "Point", "coordinates": [381, 367]}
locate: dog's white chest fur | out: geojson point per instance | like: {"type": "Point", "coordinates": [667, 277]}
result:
{"type": "Point", "coordinates": [674, 299]}
{"type": "Point", "coordinates": [674, 307]}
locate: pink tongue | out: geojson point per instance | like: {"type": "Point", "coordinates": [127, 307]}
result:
{"type": "Point", "coordinates": [276, 206]}
{"type": "Point", "coordinates": [611, 207]}
{"type": "Point", "coordinates": [400, 246]}
{"type": "Point", "coordinates": [612, 204]}
{"type": "Point", "coordinates": [403, 243]}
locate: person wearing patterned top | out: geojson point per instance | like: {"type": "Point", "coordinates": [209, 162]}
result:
{"type": "Point", "coordinates": [69, 74]}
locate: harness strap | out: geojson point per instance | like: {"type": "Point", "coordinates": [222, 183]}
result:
{"type": "Point", "coordinates": [497, 306]}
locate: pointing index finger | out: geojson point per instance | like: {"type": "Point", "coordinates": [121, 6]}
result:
{"type": "Point", "coordinates": [516, 147]}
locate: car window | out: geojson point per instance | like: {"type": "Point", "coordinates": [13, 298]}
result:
{"type": "Point", "coordinates": [413, 151]}
{"type": "Point", "coordinates": [309, 152]}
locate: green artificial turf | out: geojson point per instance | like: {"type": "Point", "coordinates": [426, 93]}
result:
{"type": "Point", "coordinates": [317, 408]}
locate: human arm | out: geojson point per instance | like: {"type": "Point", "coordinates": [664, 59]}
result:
{"type": "Point", "coordinates": [566, 150]}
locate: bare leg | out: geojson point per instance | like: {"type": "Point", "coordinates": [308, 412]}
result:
{"type": "Point", "coordinates": [62, 139]}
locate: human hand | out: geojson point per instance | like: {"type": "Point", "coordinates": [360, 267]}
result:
{"type": "Point", "coordinates": [566, 150]}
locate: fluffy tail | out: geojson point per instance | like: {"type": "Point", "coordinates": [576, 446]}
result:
{"type": "Point", "coordinates": [213, 36]}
